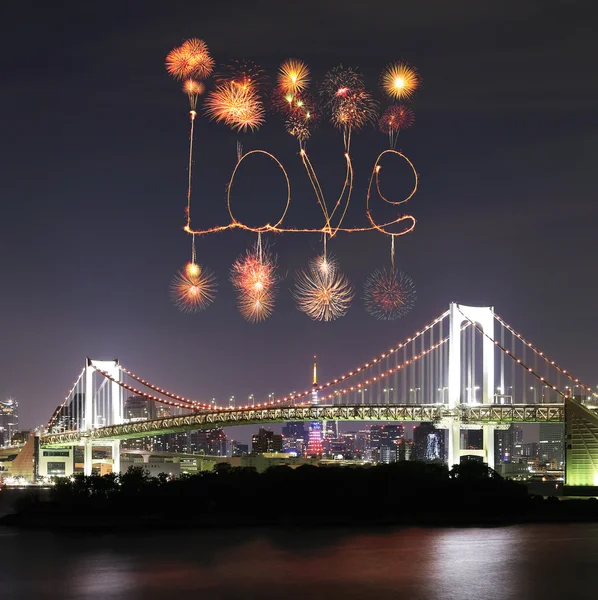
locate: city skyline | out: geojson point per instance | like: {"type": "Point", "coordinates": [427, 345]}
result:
{"type": "Point", "coordinates": [96, 206]}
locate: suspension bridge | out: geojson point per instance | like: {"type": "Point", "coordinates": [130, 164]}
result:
{"type": "Point", "coordinates": [466, 369]}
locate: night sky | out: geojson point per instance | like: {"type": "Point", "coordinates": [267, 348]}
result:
{"type": "Point", "coordinates": [93, 185]}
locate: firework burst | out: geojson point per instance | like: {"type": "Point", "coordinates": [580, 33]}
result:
{"type": "Point", "coordinates": [389, 294]}
{"type": "Point", "coordinates": [193, 289]}
{"type": "Point", "coordinates": [191, 59]}
{"type": "Point", "coordinates": [353, 110]}
{"type": "Point", "coordinates": [400, 80]}
{"type": "Point", "coordinates": [393, 120]}
{"type": "Point", "coordinates": [293, 76]}
{"type": "Point", "coordinates": [255, 279]}
{"type": "Point", "coordinates": [244, 73]}
{"type": "Point", "coordinates": [322, 292]}
{"type": "Point", "coordinates": [239, 107]}
{"type": "Point", "coordinates": [193, 89]}
{"type": "Point", "coordinates": [338, 82]}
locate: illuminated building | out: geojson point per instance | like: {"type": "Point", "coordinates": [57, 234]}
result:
{"type": "Point", "coordinates": [293, 437]}
{"type": "Point", "coordinates": [503, 445]}
{"type": "Point", "coordinates": [238, 449]}
{"type": "Point", "coordinates": [266, 441]}
{"type": "Point", "coordinates": [404, 450]}
{"type": "Point", "coordinates": [428, 443]}
{"type": "Point", "coordinates": [9, 420]}
{"type": "Point", "coordinates": [552, 444]}
{"type": "Point", "coordinates": [314, 441]}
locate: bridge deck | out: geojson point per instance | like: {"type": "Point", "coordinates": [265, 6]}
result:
{"type": "Point", "coordinates": [467, 414]}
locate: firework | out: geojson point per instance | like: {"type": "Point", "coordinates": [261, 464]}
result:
{"type": "Point", "coordinates": [192, 269]}
{"type": "Point", "coordinates": [400, 80]}
{"type": "Point", "coordinates": [254, 277]}
{"type": "Point", "coordinates": [244, 73]}
{"type": "Point", "coordinates": [323, 294]}
{"type": "Point", "coordinates": [193, 89]}
{"type": "Point", "coordinates": [353, 110]}
{"type": "Point", "coordinates": [193, 292]}
{"type": "Point", "coordinates": [191, 59]}
{"type": "Point", "coordinates": [338, 82]}
{"type": "Point", "coordinates": [394, 119]}
{"type": "Point", "coordinates": [293, 76]}
{"type": "Point", "coordinates": [239, 107]}
{"type": "Point", "coordinates": [389, 294]}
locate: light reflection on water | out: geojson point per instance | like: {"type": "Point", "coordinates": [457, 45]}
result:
{"type": "Point", "coordinates": [545, 562]}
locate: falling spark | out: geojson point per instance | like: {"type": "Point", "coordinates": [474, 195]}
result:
{"type": "Point", "coordinates": [389, 294]}
{"type": "Point", "coordinates": [322, 292]}
{"type": "Point", "coordinates": [400, 80]}
{"type": "Point", "coordinates": [193, 293]}
{"type": "Point", "coordinates": [244, 73]}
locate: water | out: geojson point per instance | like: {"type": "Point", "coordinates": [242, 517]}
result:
{"type": "Point", "coordinates": [525, 562]}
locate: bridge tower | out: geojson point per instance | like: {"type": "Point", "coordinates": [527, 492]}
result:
{"type": "Point", "coordinates": [483, 317]}
{"type": "Point", "coordinates": [90, 416]}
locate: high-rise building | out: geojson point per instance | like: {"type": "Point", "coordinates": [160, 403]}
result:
{"type": "Point", "coordinates": [314, 440]}
{"type": "Point", "coordinates": [294, 437]}
{"type": "Point", "coordinates": [551, 447]}
{"type": "Point", "coordinates": [503, 445]}
{"type": "Point", "coordinates": [517, 448]}
{"type": "Point", "coordinates": [428, 443]}
{"type": "Point", "coordinates": [266, 441]}
{"type": "Point", "coordinates": [404, 450]}
{"type": "Point", "coordinates": [238, 449]}
{"type": "Point", "coordinates": [9, 420]}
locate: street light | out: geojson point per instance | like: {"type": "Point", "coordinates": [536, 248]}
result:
{"type": "Point", "coordinates": [231, 401]}
{"type": "Point", "coordinates": [250, 399]}
{"type": "Point", "coordinates": [441, 390]}
{"type": "Point", "coordinates": [414, 392]}
{"type": "Point", "coordinates": [362, 391]}
{"type": "Point", "coordinates": [533, 389]}
{"type": "Point", "coordinates": [474, 390]}
{"type": "Point", "coordinates": [387, 392]}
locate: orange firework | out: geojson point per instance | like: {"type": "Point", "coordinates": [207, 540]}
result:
{"type": "Point", "coordinates": [293, 76]}
{"type": "Point", "coordinates": [239, 107]}
{"type": "Point", "coordinates": [254, 277]}
{"type": "Point", "coordinates": [191, 59]}
{"type": "Point", "coordinates": [400, 80]}
{"type": "Point", "coordinates": [193, 292]}
{"type": "Point", "coordinates": [193, 89]}
{"type": "Point", "coordinates": [322, 292]}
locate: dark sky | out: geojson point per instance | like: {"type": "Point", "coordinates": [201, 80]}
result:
{"type": "Point", "coordinates": [93, 167]}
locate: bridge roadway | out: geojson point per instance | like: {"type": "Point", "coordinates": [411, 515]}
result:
{"type": "Point", "coordinates": [467, 415]}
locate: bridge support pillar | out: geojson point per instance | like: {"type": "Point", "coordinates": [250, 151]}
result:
{"type": "Point", "coordinates": [454, 443]}
{"type": "Point", "coordinates": [116, 456]}
{"type": "Point", "coordinates": [87, 457]}
{"type": "Point", "coordinates": [488, 440]}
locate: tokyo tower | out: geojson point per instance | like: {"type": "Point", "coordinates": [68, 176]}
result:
{"type": "Point", "coordinates": [314, 441]}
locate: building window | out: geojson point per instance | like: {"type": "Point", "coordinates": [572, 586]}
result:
{"type": "Point", "coordinates": [56, 468]}
{"type": "Point", "coordinates": [56, 453]}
